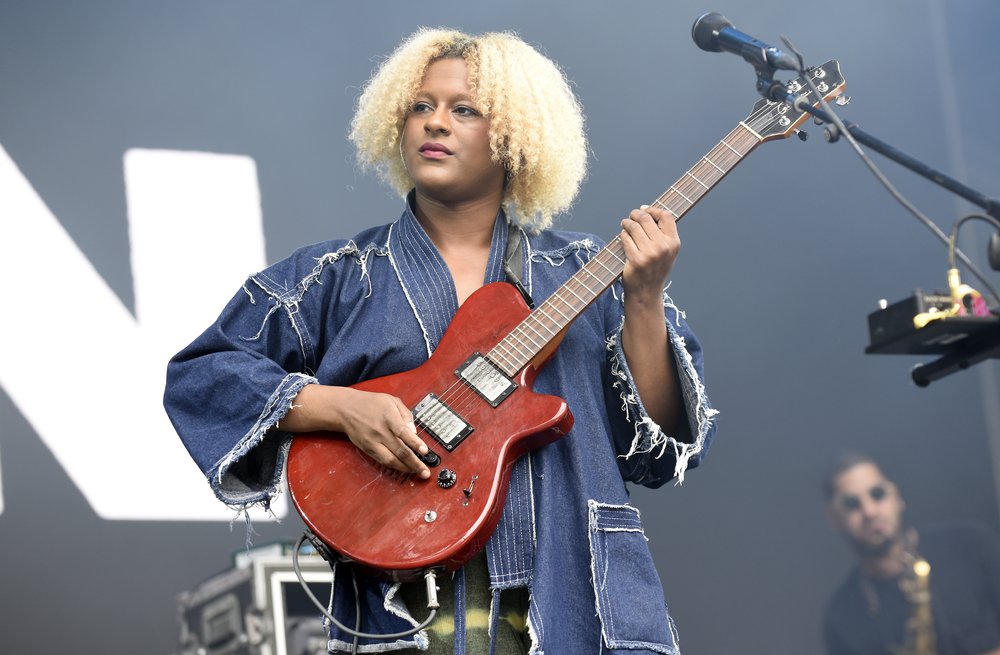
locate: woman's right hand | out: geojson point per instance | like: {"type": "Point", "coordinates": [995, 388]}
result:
{"type": "Point", "coordinates": [377, 423]}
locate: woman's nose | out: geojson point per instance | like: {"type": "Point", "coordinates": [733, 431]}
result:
{"type": "Point", "coordinates": [438, 121]}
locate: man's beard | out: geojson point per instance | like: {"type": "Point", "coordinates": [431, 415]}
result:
{"type": "Point", "coordinates": [869, 550]}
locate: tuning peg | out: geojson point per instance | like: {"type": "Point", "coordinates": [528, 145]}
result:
{"type": "Point", "coordinates": [802, 134]}
{"type": "Point", "coordinates": [842, 100]}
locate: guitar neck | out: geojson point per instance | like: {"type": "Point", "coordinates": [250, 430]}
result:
{"type": "Point", "coordinates": [550, 319]}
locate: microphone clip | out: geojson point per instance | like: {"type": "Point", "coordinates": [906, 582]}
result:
{"type": "Point", "coordinates": [767, 86]}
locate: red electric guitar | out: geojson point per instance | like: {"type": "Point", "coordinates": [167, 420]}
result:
{"type": "Point", "coordinates": [472, 400]}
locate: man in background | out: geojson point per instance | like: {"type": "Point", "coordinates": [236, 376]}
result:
{"type": "Point", "coordinates": [932, 592]}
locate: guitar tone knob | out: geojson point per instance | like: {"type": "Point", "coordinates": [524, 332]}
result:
{"type": "Point", "coordinates": [447, 478]}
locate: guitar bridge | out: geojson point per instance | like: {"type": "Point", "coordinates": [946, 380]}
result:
{"type": "Point", "coordinates": [441, 422]}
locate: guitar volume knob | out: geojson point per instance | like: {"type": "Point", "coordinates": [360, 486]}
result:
{"type": "Point", "coordinates": [431, 458]}
{"type": "Point", "coordinates": [447, 478]}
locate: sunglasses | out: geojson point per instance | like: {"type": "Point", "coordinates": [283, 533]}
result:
{"type": "Point", "coordinates": [851, 503]}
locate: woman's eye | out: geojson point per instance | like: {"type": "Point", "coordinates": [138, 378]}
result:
{"type": "Point", "coordinates": [462, 110]}
{"type": "Point", "coordinates": [419, 107]}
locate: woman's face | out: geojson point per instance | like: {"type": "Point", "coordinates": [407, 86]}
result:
{"type": "Point", "coordinates": [446, 146]}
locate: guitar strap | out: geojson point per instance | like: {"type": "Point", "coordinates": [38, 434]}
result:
{"type": "Point", "coordinates": [513, 262]}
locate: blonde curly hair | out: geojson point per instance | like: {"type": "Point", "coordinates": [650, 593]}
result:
{"type": "Point", "coordinates": [536, 122]}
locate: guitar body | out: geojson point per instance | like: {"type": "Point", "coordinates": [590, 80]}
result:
{"type": "Point", "coordinates": [397, 524]}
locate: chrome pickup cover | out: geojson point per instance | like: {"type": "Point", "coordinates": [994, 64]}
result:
{"type": "Point", "coordinates": [447, 427]}
{"type": "Point", "coordinates": [486, 379]}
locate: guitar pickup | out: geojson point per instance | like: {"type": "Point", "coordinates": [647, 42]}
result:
{"type": "Point", "coordinates": [486, 379]}
{"type": "Point", "coordinates": [441, 422]}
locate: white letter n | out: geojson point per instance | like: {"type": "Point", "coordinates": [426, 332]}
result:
{"type": "Point", "coordinates": [86, 374]}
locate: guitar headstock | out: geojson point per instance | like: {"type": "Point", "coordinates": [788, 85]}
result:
{"type": "Point", "coordinates": [777, 120]}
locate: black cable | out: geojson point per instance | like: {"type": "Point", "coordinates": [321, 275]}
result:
{"type": "Point", "coordinates": [954, 232]}
{"type": "Point", "coordinates": [357, 611]}
{"type": "Point", "coordinates": [839, 124]}
{"type": "Point", "coordinates": [357, 633]}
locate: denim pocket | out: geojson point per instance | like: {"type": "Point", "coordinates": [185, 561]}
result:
{"type": "Point", "coordinates": [629, 594]}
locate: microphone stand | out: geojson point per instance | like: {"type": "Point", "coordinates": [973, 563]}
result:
{"type": "Point", "coordinates": [990, 205]}
{"type": "Point", "coordinates": [980, 336]}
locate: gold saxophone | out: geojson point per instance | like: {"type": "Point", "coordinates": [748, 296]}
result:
{"type": "Point", "coordinates": [915, 583]}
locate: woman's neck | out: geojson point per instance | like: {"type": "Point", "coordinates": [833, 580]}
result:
{"type": "Point", "coordinates": [457, 225]}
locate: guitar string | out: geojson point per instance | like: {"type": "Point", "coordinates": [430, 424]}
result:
{"type": "Point", "coordinates": [461, 400]}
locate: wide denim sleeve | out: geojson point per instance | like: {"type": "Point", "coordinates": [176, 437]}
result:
{"type": "Point", "coordinates": [227, 390]}
{"type": "Point", "coordinates": [646, 454]}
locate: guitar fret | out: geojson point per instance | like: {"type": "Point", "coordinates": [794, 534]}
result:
{"type": "Point", "coordinates": [752, 131]}
{"type": "Point", "coordinates": [622, 261]}
{"type": "Point", "coordinates": [611, 270]}
{"type": "Point", "coordinates": [517, 345]}
{"type": "Point", "coordinates": [556, 296]}
{"type": "Point", "coordinates": [596, 277]}
{"type": "Point", "coordinates": [713, 165]}
{"type": "Point", "coordinates": [506, 365]}
{"type": "Point", "coordinates": [681, 194]}
{"type": "Point", "coordinates": [748, 141]}
{"type": "Point", "coordinates": [575, 294]}
{"type": "Point", "coordinates": [545, 327]}
{"type": "Point", "coordinates": [502, 351]}
{"type": "Point", "coordinates": [512, 358]}
{"type": "Point", "coordinates": [736, 152]}
{"type": "Point", "coordinates": [527, 336]}
{"type": "Point", "coordinates": [691, 191]}
{"type": "Point", "coordinates": [660, 203]}
{"type": "Point", "coordinates": [557, 325]}
{"type": "Point", "coordinates": [696, 180]}
{"type": "Point", "coordinates": [553, 306]}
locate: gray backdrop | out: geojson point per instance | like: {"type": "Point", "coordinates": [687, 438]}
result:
{"type": "Point", "coordinates": [781, 265]}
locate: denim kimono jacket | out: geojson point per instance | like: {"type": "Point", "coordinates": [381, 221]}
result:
{"type": "Point", "coordinates": [344, 311]}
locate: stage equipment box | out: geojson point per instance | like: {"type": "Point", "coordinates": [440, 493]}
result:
{"type": "Point", "coordinates": [258, 607]}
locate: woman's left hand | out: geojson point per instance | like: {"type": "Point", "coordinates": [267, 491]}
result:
{"type": "Point", "coordinates": [649, 236]}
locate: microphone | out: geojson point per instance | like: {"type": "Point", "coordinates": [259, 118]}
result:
{"type": "Point", "coordinates": [714, 32]}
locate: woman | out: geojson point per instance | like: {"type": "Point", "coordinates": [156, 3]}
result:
{"type": "Point", "coordinates": [484, 138]}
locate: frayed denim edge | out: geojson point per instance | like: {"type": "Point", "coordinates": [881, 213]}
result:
{"type": "Point", "coordinates": [392, 605]}
{"type": "Point", "coordinates": [289, 299]}
{"type": "Point", "coordinates": [274, 410]}
{"type": "Point", "coordinates": [558, 256]}
{"type": "Point", "coordinates": [649, 437]}
{"type": "Point", "coordinates": [334, 645]}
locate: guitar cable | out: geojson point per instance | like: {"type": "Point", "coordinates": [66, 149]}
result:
{"type": "Point", "coordinates": [842, 129]}
{"type": "Point", "coordinates": [430, 577]}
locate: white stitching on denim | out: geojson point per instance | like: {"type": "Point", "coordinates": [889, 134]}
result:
{"type": "Point", "coordinates": [597, 522]}
{"type": "Point", "coordinates": [406, 292]}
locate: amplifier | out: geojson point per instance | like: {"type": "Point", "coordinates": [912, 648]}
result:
{"type": "Point", "coordinates": [891, 329]}
{"type": "Point", "coordinates": [959, 341]}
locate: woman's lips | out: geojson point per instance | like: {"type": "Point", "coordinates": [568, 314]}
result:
{"type": "Point", "coordinates": [434, 150]}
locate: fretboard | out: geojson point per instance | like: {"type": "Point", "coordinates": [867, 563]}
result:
{"type": "Point", "coordinates": [560, 309]}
